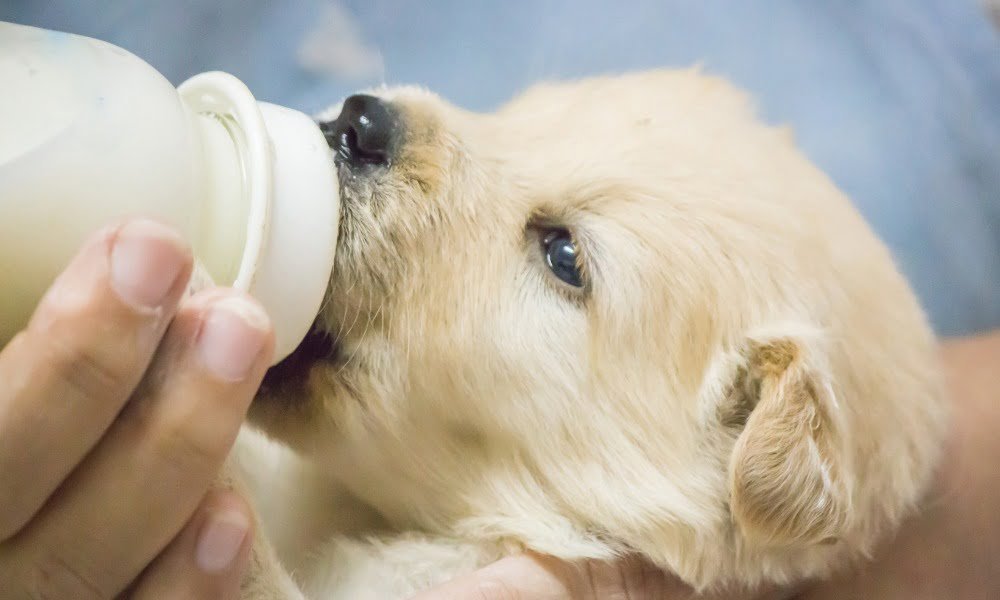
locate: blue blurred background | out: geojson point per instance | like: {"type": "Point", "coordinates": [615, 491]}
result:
{"type": "Point", "coordinates": [898, 100]}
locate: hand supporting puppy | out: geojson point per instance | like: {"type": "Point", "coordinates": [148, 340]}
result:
{"type": "Point", "coordinates": [947, 551]}
{"type": "Point", "coordinates": [539, 577]}
{"type": "Point", "coordinates": [118, 404]}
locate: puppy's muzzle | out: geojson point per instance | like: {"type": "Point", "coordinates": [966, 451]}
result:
{"type": "Point", "coordinates": [366, 134]}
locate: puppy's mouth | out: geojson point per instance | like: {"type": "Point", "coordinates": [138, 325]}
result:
{"type": "Point", "coordinates": [292, 373]}
{"type": "Point", "coordinates": [362, 140]}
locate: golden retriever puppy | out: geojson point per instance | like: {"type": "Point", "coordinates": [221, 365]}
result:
{"type": "Point", "coordinates": [616, 316]}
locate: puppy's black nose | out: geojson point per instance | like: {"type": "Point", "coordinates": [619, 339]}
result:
{"type": "Point", "coordinates": [367, 132]}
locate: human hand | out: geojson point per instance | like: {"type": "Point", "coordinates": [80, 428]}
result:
{"type": "Point", "coordinates": [118, 404]}
{"type": "Point", "coordinates": [536, 577]}
{"type": "Point", "coordinates": [948, 550]}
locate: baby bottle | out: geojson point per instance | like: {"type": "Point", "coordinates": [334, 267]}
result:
{"type": "Point", "coordinates": [89, 134]}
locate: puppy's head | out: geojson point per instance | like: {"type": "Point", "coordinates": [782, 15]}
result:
{"type": "Point", "coordinates": [616, 315]}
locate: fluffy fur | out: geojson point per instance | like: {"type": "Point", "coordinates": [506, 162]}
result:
{"type": "Point", "coordinates": [744, 391]}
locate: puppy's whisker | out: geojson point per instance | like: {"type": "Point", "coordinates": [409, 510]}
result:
{"type": "Point", "coordinates": [354, 321]}
{"type": "Point", "coordinates": [343, 319]}
{"type": "Point", "coordinates": [357, 315]}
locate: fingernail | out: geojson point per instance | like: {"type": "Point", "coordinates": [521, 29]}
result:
{"type": "Point", "coordinates": [146, 260]}
{"type": "Point", "coordinates": [220, 541]}
{"type": "Point", "coordinates": [232, 338]}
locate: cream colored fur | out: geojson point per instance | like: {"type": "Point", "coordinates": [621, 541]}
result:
{"type": "Point", "coordinates": [745, 391]}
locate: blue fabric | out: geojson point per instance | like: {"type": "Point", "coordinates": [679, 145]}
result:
{"type": "Point", "coordinates": [898, 100]}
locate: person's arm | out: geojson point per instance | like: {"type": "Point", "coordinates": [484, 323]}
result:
{"type": "Point", "coordinates": [949, 550]}
{"type": "Point", "coordinates": [118, 404]}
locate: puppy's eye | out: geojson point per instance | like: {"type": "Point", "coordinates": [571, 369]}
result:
{"type": "Point", "coordinates": [561, 256]}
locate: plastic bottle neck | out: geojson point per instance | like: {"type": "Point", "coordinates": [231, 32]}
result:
{"type": "Point", "coordinates": [271, 206]}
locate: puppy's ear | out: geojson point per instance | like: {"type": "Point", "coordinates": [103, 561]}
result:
{"type": "Point", "coordinates": [787, 470]}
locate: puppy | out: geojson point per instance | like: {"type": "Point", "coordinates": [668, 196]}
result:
{"type": "Point", "coordinates": [616, 316]}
